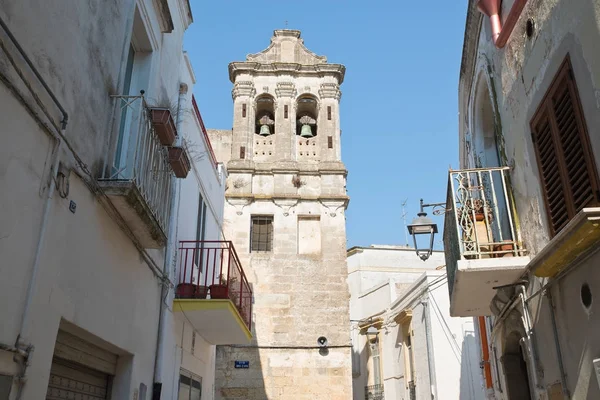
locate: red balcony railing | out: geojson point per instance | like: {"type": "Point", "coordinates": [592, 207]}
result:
{"type": "Point", "coordinates": [212, 270]}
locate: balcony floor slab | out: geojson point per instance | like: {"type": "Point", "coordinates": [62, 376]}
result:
{"type": "Point", "coordinates": [475, 280]}
{"type": "Point", "coordinates": [216, 320]}
{"type": "Point", "coordinates": [130, 203]}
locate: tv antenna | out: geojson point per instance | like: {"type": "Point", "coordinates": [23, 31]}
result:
{"type": "Point", "coordinates": [404, 219]}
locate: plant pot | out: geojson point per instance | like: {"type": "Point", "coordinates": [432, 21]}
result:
{"type": "Point", "coordinates": [180, 162]}
{"type": "Point", "coordinates": [504, 247]}
{"type": "Point", "coordinates": [164, 126]}
{"type": "Point", "coordinates": [219, 292]}
{"type": "Point", "coordinates": [191, 291]}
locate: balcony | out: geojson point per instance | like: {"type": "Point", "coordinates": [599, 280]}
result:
{"type": "Point", "coordinates": [138, 181]}
{"type": "Point", "coordinates": [213, 292]}
{"type": "Point", "coordinates": [481, 239]}
{"type": "Point", "coordinates": [580, 236]}
{"type": "Point", "coordinates": [374, 392]}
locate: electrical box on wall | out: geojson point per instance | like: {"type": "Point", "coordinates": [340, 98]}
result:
{"type": "Point", "coordinates": [596, 363]}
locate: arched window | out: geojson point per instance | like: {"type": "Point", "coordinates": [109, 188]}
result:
{"type": "Point", "coordinates": [265, 116]}
{"type": "Point", "coordinates": [306, 116]}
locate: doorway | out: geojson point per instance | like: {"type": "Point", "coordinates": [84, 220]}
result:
{"type": "Point", "coordinates": [516, 373]}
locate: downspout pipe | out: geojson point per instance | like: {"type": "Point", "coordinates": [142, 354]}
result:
{"type": "Point", "coordinates": [165, 295]}
{"type": "Point", "coordinates": [485, 352]}
{"type": "Point", "coordinates": [430, 361]}
{"type": "Point", "coordinates": [561, 367]}
{"type": "Point", "coordinates": [491, 8]}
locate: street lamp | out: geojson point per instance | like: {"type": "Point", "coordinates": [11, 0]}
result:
{"type": "Point", "coordinates": [372, 332]}
{"type": "Point", "coordinates": [423, 227]}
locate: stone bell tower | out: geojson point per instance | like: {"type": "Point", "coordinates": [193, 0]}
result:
{"type": "Point", "coordinates": [285, 213]}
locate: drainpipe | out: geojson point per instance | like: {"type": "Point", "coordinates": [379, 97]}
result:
{"type": "Point", "coordinates": [165, 294]}
{"type": "Point", "coordinates": [528, 324]}
{"type": "Point", "coordinates": [561, 367]}
{"type": "Point", "coordinates": [430, 361]}
{"type": "Point", "coordinates": [485, 356]}
{"type": "Point", "coordinates": [491, 8]}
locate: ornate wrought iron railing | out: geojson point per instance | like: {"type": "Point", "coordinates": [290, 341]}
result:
{"type": "Point", "coordinates": [480, 222]}
{"type": "Point", "coordinates": [141, 158]}
{"type": "Point", "coordinates": [374, 392]}
{"type": "Point", "coordinates": [212, 270]}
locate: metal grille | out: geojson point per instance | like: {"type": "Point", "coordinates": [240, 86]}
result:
{"type": "Point", "coordinates": [76, 383]}
{"type": "Point", "coordinates": [146, 162]}
{"type": "Point", "coordinates": [261, 235]}
{"type": "Point", "coordinates": [374, 392]}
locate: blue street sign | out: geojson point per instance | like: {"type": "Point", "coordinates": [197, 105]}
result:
{"type": "Point", "coordinates": [242, 364]}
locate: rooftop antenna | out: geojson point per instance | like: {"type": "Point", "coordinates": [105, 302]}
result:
{"type": "Point", "coordinates": [404, 219]}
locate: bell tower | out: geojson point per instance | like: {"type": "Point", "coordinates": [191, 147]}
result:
{"type": "Point", "coordinates": [285, 213]}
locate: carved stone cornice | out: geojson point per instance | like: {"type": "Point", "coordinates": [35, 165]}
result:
{"type": "Point", "coordinates": [330, 91]}
{"type": "Point", "coordinates": [336, 70]}
{"type": "Point", "coordinates": [286, 89]}
{"type": "Point", "coordinates": [243, 89]}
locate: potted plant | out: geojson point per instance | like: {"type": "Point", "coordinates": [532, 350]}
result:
{"type": "Point", "coordinates": [164, 126]}
{"type": "Point", "coordinates": [191, 291]}
{"type": "Point", "coordinates": [220, 290]}
{"type": "Point", "coordinates": [505, 248]}
{"type": "Point", "coordinates": [179, 160]}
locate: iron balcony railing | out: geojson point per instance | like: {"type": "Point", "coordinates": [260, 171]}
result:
{"type": "Point", "coordinates": [212, 270]}
{"type": "Point", "coordinates": [374, 392]}
{"type": "Point", "coordinates": [480, 218]}
{"type": "Point", "coordinates": [141, 159]}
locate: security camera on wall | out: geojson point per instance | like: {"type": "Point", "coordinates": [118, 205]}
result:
{"type": "Point", "coordinates": [322, 341]}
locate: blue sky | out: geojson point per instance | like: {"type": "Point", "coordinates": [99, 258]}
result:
{"type": "Point", "coordinates": [399, 107]}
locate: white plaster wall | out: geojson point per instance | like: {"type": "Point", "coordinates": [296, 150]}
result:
{"type": "Point", "coordinates": [90, 274]}
{"type": "Point", "coordinates": [208, 179]}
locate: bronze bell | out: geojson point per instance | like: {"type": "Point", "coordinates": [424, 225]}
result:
{"type": "Point", "coordinates": [306, 131]}
{"type": "Point", "coordinates": [265, 130]}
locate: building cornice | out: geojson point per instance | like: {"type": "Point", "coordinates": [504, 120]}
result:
{"type": "Point", "coordinates": [291, 167]}
{"type": "Point", "coordinates": [470, 44]}
{"type": "Point", "coordinates": [254, 68]}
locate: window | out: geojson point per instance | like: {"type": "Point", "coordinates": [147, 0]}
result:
{"type": "Point", "coordinates": [329, 113]}
{"type": "Point", "coordinates": [261, 234]}
{"type": "Point", "coordinates": [374, 345]}
{"type": "Point", "coordinates": [243, 110]}
{"type": "Point", "coordinates": [564, 157]}
{"type": "Point", "coordinates": [190, 386]}
{"type": "Point", "coordinates": [200, 231]}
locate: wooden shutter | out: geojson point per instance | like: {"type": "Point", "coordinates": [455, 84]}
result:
{"type": "Point", "coordinates": [564, 156]}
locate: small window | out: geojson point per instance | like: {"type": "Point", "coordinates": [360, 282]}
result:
{"type": "Point", "coordinates": [261, 234]}
{"type": "Point", "coordinates": [564, 156]}
{"type": "Point", "coordinates": [200, 233]}
{"type": "Point", "coordinates": [243, 110]}
{"type": "Point", "coordinates": [329, 113]}
{"type": "Point", "coordinates": [190, 386]}
{"type": "Point", "coordinates": [285, 111]}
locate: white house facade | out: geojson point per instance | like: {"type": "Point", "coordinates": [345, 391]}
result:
{"type": "Point", "coordinates": [110, 169]}
{"type": "Point", "coordinates": [405, 344]}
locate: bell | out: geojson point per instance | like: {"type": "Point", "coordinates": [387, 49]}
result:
{"type": "Point", "coordinates": [306, 131]}
{"type": "Point", "coordinates": [264, 130]}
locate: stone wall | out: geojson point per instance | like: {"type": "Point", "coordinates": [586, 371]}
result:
{"type": "Point", "coordinates": [300, 293]}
